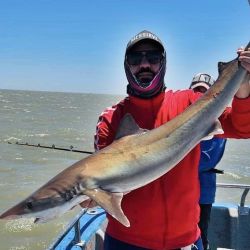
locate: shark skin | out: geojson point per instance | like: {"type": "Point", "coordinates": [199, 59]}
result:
{"type": "Point", "coordinates": [136, 158]}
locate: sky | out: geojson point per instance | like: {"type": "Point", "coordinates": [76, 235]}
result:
{"type": "Point", "coordinates": [78, 45]}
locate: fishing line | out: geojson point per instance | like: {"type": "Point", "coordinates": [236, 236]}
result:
{"type": "Point", "coordinates": [53, 146]}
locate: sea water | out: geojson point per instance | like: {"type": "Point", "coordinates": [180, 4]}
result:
{"type": "Point", "coordinates": [64, 120]}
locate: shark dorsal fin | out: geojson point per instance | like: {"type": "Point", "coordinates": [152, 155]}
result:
{"type": "Point", "coordinates": [128, 126]}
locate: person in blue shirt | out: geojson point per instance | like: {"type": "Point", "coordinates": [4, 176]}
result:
{"type": "Point", "coordinates": [211, 153]}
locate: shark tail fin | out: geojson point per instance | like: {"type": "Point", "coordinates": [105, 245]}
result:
{"type": "Point", "coordinates": [111, 202]}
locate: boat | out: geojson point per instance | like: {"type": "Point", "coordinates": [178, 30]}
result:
{"type": "Point", "coordinates": [229, 226]}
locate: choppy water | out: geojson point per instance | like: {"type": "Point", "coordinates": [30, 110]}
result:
{"type": "Point", "coordinates": [64, 119]}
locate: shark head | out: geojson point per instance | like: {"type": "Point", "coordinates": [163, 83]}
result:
{"type": "Point", "coordinates": [42, 209]}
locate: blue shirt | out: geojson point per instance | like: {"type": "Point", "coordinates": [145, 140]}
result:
{"type": "Point", "coordinates": [211, 154]}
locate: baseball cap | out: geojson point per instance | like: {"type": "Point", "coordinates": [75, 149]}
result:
{"type": "Point", "coordinates": [145, 34]}
{"type": "Point", "coordinates": [203, 80]}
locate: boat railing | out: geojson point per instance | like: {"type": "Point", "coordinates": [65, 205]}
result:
{"type": "Point", "coordinates": [81, 230]}
{"type": "Point", "coordinates": [243, 210]}
{"type": "Point", "coordinates": [229, 226]}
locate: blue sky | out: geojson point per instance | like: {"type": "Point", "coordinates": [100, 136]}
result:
{"type": "Point", "coordinates": [78, 45]}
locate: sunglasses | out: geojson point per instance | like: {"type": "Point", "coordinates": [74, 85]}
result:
{"type": "Point", "coordinates": [135, 58]}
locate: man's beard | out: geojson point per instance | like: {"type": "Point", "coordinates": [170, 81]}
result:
{"type": "Point", "coordinates": [146, 78]}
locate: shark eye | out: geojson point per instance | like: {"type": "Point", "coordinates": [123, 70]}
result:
{"type": "Point", "coordinates": [29, 205]}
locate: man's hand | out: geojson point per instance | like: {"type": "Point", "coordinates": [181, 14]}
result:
{"type": "Point", "coordinates": [244, 58]}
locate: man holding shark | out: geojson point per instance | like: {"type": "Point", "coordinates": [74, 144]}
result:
{"type": "Point", "coordinates": [163, 214]}
{"type": "Point", "coordinates": [144, 172]}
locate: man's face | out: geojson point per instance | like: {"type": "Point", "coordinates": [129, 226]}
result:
{"type": "Point", "coordinates": [144, 60]}
{"type": "Point", "coordinates": [200, 89]}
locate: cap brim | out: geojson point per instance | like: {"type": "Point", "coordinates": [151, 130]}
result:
{"type": "Point", "coordinates": [200, 84]}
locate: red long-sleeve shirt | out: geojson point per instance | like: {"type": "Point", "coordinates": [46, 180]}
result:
{"type": "Point", "coordinates": [164, 214]}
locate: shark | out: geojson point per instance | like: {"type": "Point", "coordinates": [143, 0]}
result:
{"type": "Point", "coordinates": [135, 158]}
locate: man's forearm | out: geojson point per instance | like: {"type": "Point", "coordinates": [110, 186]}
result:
{"type": "Point", "coordinates": [244, 90]}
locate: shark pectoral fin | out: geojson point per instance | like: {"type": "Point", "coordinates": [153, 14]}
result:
{"type": "Point", "coordinates": [217, 129]}
{"type": "Point", "coordinates": [111, 202]}
{"type": "Point", "coordinates": [126, 192]}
